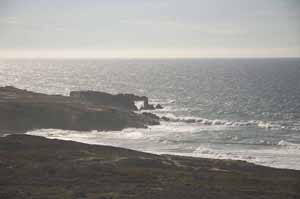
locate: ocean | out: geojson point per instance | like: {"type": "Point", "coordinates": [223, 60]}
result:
{"type": "Point", "coordinates": [244, 109]}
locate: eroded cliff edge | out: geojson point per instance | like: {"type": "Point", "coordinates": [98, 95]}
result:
{"type": "Point", "coordinates": [22, 110]}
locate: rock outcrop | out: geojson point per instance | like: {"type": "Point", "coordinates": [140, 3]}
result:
{"type": "Point", "coordinates": [22, 110]}
{"type": "Point", "coordinates": [121, 101]}
{"type": "Point", "coordinates": [158, 106]}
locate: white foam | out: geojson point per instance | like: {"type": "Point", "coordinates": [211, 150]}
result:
{"type": "Point", "coordinates": [289, 145]}
{"type": "Point", "coordinates": [171, 139]}
{"type": "Point", "coordinates": [4, 135]}
{"type": "Point", "coordinates": [183, 135]}
{"type": "Point", "coordinates": [160, 101]}
{"type": "Point", "coordinates": [207, 152]}
{"type": "Point", "coordinates": [267, 125]}
{"type": "Point", "coordinates": [279, 158]}
{"type": "Point", "coordinates": [139, 104]}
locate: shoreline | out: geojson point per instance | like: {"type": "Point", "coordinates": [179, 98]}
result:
{"type": "Point", "coordinates": [159, 153]}
{"type": "Point", "coordinates": [33, 166]}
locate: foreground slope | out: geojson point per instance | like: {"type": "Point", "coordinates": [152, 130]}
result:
{"type": "Point", "coordinates": [36, 167]}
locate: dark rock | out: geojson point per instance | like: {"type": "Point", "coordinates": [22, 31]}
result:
{"type": "Point", "coordinates": [22, 110]}
{"type": "Point", "coordinates": [158, 106]}
{"type": "Point", "coordinates": [151, 115]}
{"type": "Point", "coordinates": [121, 101]}
{"type": "Point", "coordinates": [105, 99]}
{"type": "Point", "coordinates": [165, 118]}
{"type": "Point", "coordinates": [151, 118]}
{"type": "Point", "coordinates": [148, 107]}
{"type": "Point", "coordinates": [190, 120]}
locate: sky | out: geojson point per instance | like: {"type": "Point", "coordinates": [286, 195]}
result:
{"type": "Point", "coordinates": [149, 28]}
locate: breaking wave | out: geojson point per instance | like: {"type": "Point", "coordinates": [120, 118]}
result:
{"type": "Point", "coordinates": [281, 125]}
{"type": "Point", "coordinates": [199, 137]}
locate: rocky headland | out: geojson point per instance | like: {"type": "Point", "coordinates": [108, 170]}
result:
{"type": "Point", "coordinates": [22, 110]}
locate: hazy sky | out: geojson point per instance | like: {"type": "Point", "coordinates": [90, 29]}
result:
{"type": "Point", "coordinates": [149, 28]}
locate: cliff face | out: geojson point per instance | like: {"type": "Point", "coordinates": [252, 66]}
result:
{"type": "Point", "coordinates": [22, 110]}
{"type": "Point", "coordinates": [121, 101]}
{"type": "Point", "coordinates": [35, 167]}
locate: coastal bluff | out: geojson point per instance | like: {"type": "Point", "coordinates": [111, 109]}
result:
{"type": "Point", "coordinates": [35, 167]}
{"type": "Point", "coordinates": [22, 111]}
{"type": "Point", "coordinates": [121, 101]}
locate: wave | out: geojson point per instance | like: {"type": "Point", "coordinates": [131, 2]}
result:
{"type": "Point", "coordinates": [163, 102]}
{"type": "Point", "coordinates": [182, 140]}
{"type": "Point", "coordinates": [289, 145]}
{"type": "Point", "coordinates": [199, 137]}
{"type": "Point", "coordinates": [171, 110]}
{"type": "Point", "coordinates": [279, 158]}
{"type": "Point", "coordinates": [268, 125]}
{"type": "Point", "coordinates": [207, 152]}
{"type": "Point", "coordinates": [4, 135]}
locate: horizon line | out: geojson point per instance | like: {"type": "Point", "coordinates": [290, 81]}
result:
{"type": "Point", "coordinates": [217, 57]}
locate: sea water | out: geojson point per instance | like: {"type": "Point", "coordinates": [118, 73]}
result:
{"type": "Point", "coordinates": [245, 109]}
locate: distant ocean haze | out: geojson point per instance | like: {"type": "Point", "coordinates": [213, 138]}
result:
{"type": "Point", "coordinates": [245, 109]}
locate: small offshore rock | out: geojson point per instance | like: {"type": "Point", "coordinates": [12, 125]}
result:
{"type": "Point", "coordinates": [158, 106]}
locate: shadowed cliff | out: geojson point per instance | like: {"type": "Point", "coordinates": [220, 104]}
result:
{"type": "Point", "coordinates": [22, 110]}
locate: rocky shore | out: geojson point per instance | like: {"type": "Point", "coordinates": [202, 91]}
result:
{"type": "Point", "coordinates": [35, 167]}
{"type": "Point", "coordinates": [22, 110]}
